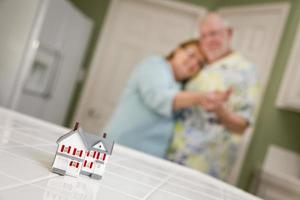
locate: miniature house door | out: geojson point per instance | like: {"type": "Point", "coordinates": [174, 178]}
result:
{"type": "Point", "coordinates": [134, 29]}
{"type": "Point", "coordinates": [61, 162]}
{"type": "Point", "coordinates": [59, 49]}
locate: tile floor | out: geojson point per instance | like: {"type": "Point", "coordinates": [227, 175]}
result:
{"type": "Point", "coordinates": [27, 149]}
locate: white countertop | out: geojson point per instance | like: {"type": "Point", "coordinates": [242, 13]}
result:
{"type": "Point", "coordinates": [27, 149]}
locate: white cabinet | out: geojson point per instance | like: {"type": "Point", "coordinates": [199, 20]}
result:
{"type": "Point", "coordinates": [279, 178]}
{"type": "Point", "coordinates": [289, 93]}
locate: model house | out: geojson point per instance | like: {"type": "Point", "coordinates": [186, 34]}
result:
{"type": "Point", "coordinates": [80, 152]}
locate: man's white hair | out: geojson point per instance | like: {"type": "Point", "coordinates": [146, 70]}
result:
{"type": "Point", "coordinates": [216, 15]}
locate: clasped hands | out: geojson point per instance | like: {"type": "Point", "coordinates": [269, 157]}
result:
{"type": "Point", "coordinates": [214, 101]}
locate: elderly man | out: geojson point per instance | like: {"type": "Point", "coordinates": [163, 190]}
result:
{"type": "Point", "coordinates": [206, 137]}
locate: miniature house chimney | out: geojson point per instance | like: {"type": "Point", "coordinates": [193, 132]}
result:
{"type": "Point", "coordinates": [76, 126]}
{"type": "Point", "coordinates": [104, 135]}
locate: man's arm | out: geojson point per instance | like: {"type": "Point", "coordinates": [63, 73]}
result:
{"type": "Point", "coordinates": [215, 102]}
{"type": "Point", "coordinates": [231, 120]}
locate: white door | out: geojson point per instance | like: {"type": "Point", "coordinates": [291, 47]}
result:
{"type": "Point", "coordinates": [61, 45]}
{"type": "Point", "coordinates": [134, 29]}
{"type": "Point", "coordinates": [257, 33]}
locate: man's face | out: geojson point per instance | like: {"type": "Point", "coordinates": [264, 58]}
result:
{"type": "Point", "coordinates": [215, 39]}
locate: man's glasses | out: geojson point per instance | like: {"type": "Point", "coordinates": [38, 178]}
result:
{"type": "Point", "coordinates": [213, 33]}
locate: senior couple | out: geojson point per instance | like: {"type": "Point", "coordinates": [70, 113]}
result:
{"type": "Point", "coordinates": [191, 106]}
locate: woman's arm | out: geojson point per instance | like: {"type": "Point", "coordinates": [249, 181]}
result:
{"type": "Point", "coordinates": [185, 99]}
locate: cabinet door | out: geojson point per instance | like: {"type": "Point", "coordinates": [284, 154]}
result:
{"type": "Point", "coordinates": [289, 93]}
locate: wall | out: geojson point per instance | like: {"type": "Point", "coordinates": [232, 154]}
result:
{"type": "Point", "coordinates": [273, 126]}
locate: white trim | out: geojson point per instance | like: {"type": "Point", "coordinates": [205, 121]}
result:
{"type": "Point", "coordinates": [178, 5]}
{"type": "Point", "coordinates": [259, 7]}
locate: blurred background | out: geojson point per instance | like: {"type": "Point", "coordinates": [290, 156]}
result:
{"type": "Point", "coordinates": [68, 60]}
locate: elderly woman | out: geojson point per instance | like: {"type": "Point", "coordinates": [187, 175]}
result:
{"type": "Point", "coordinates": [143, 119]}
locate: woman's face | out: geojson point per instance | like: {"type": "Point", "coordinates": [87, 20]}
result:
{"type": "Point", "coordinates": [187, 62]}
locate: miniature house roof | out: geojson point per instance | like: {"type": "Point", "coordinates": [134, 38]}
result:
{"type": "Point", "coordinates": [89, 140]}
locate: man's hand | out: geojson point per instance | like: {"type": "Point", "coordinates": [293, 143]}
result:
{"type": "Point", "coordinates": [214, 100]}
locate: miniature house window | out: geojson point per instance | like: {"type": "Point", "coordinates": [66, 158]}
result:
{"type": "Point", "coordinates": [77, 152]}
{"type": "Point", "coordinates": [100, 146]}
{"type": "Point", "coordinates": [74, 164]}
{"type": "Point", "coordinates": [87, 164]}
{"type": "Point", "coordinates": [104, 156]}
{"type": "Point", "coordinates": [101, 156]}
{"type": "Point", "coordinates": [65, 149]}
{"type": "Point", "coordinates": [98, 155]}
{"type": "Point", "coordinates": [88, 153]}
{"type": "Point", "coordinates": [91, 154]}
